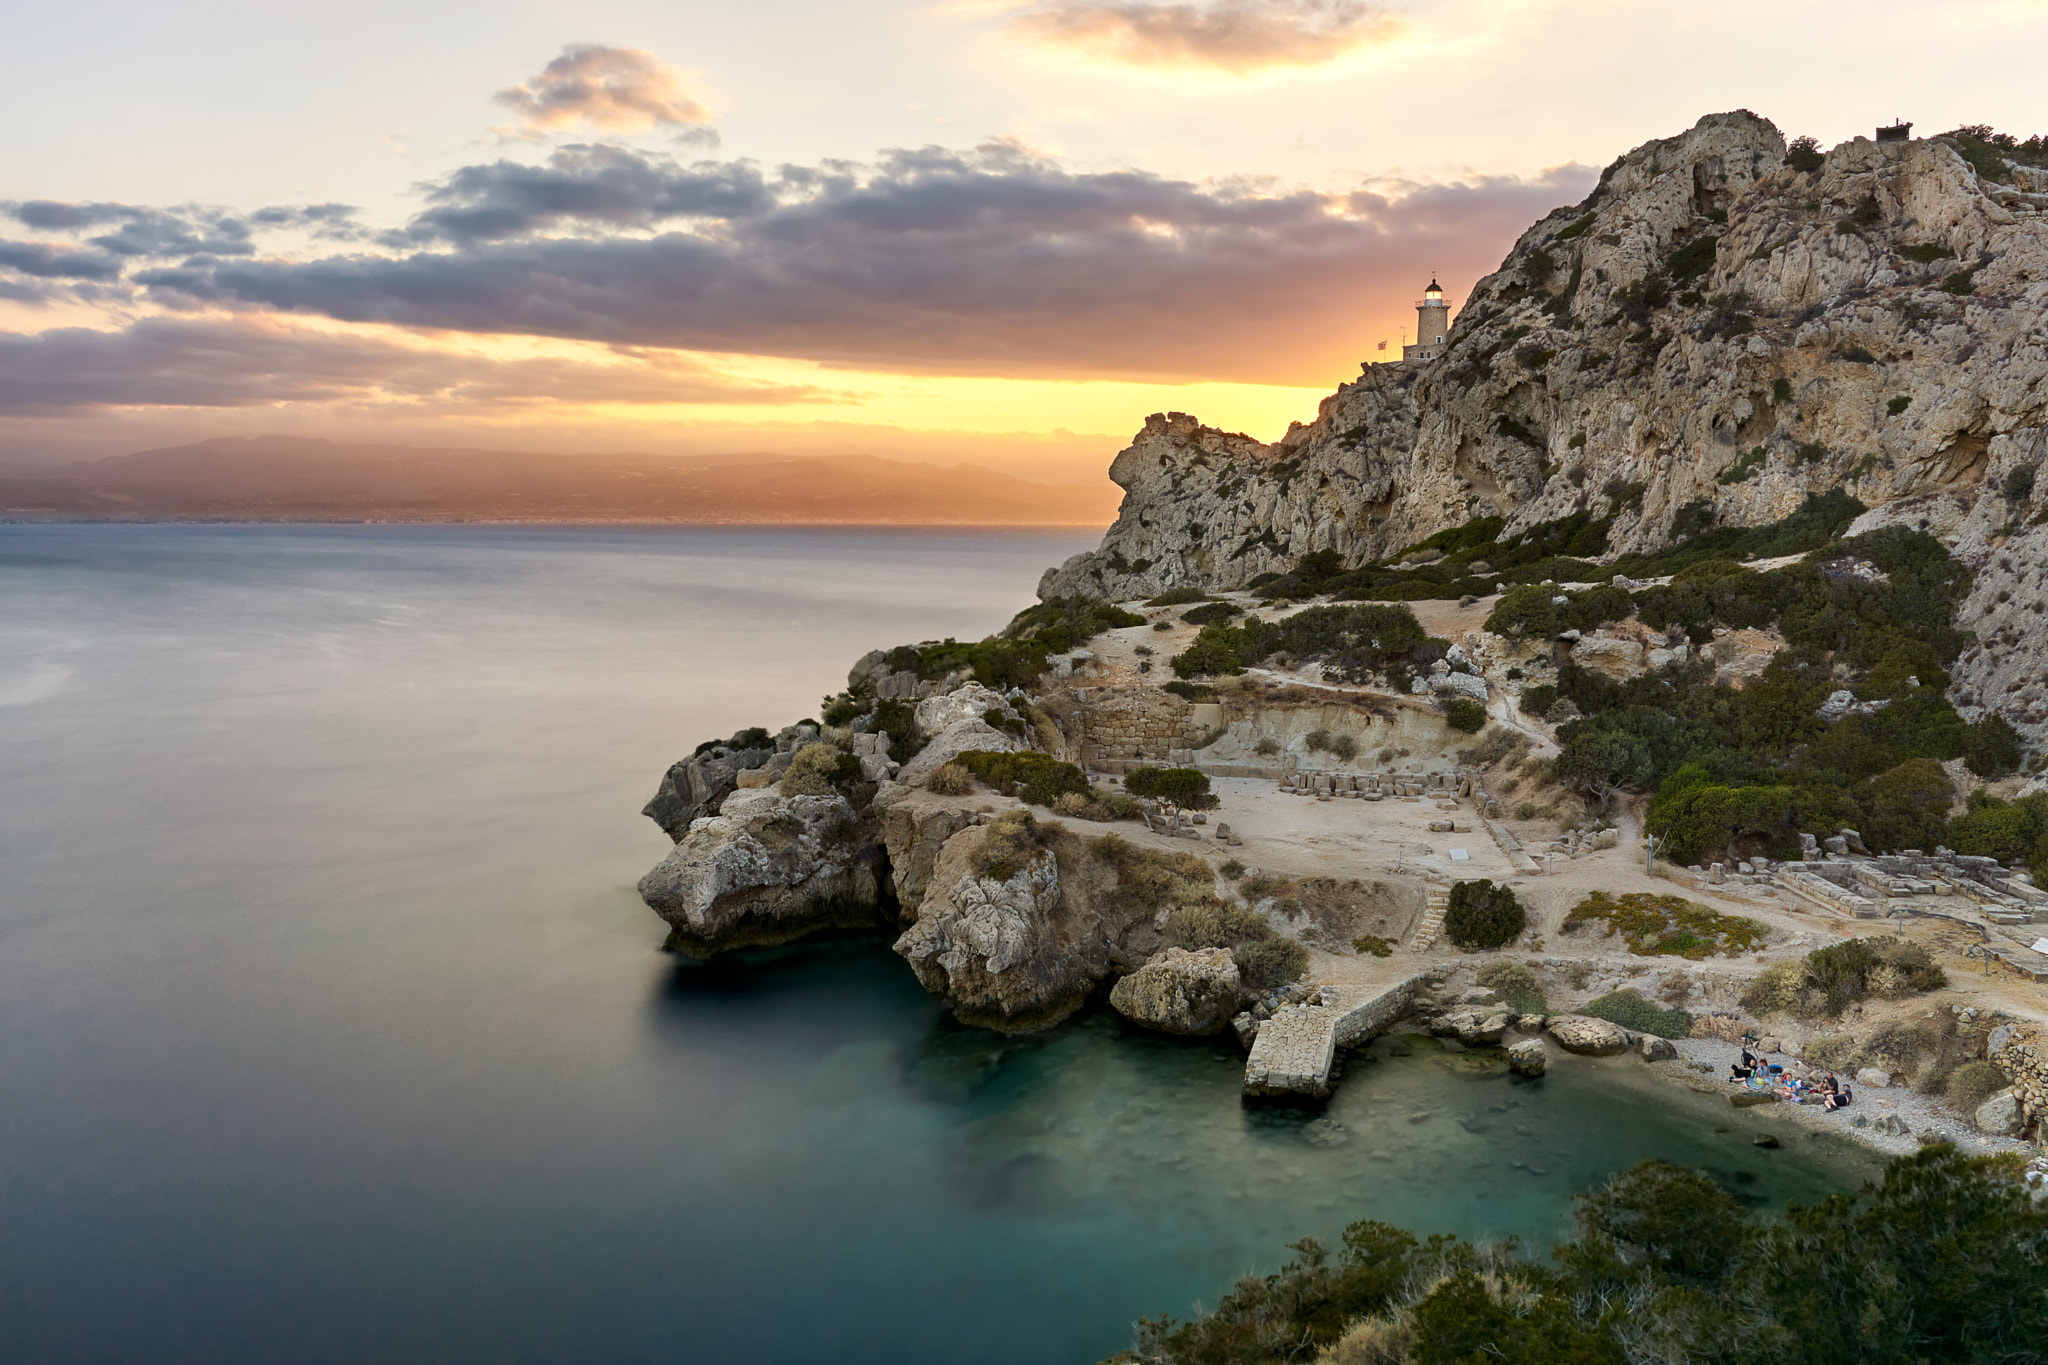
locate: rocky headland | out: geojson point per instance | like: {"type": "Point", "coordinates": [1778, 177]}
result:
{"type": "Point", "coordinates": [1728, 469]}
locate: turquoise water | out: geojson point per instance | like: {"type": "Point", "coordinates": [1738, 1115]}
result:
{"type": "Point", "coordinates": [332, 1030]}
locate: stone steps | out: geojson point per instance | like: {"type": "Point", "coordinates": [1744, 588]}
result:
{"type": "Point", "coordinates": [1432, 920]}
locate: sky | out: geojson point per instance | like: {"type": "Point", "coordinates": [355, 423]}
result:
{"type": "Point", "coordinates": [994, 231]}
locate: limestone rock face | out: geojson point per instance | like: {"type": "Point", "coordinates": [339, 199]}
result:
{"type": "Point", "coordinates": [1901, 360]}
{"type": "Point", "coordinates": [935, 714]}
{"type": "Point", "coordinates": [962, 736]}
{"type": "Point", "coordinates": [1481, 1027]}
{"type": "Point", "coordinates": [766, 869]}
{"type": "Point", "coordinates": [697, 785]}
{"type": "Point", "coordinates": [1609, 656]}
{"type": "Point", "coordinates": [1022, 953]}
{"type": "Point", "coordinates": [915, 831]}
{"type": "Point", "coordinates": [1589, 1037]}
{"type": "Point", "coordinates": [1528, 1057]}
{"type": "Point", "coordinates": [1181, 992]}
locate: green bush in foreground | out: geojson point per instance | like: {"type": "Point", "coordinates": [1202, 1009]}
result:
{"type": "Point", "coordinates": [1481, 915]}
{"type": "Point", "coordinates": [1629, 1009]}
{"type": "Point", "coordinates": [1943, 1259]}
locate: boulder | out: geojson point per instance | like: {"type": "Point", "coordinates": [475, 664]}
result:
{"type": "Point", "coordinates": [935, 714]}
{"type": "Point", "coordinates": [2000, 1115]}
{"type": "Point", "coordinates": [1874, 1079]}
{"type": "Point", "coordinates": [1608, 656]}
{"type": "Point", "coordinates": [1587, 1036]}
{"type": "Point", "coordinates": [1655, 1049]}
{"type": "Point", "coordinates": [2000, 1038]}
{"type": "Point", "coordinates": [766, 869]}
{"type": "Point", "coordinates": [1528, 1057]}
{"type": "Point", "coordinates": [962, 736]}
{"type": "Point", "coordinates": [1179, 991]}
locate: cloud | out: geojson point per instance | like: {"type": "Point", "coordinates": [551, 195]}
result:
{"type": "Point", "coordinates": [613, 89]}
{"type": "Point", "coordinates": [590, 185]}
{"type": "Point", "coordinates": [1238, 37]}
{"type": "Point", "coordinates": [248, 361]}
{"type": "Point", "coordinates": [143, 232]}
{"type": "Point", "coordinates": [990, 262]}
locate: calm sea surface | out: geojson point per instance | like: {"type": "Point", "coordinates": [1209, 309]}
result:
{"type": "Point", "coordinates": [331, 1028]}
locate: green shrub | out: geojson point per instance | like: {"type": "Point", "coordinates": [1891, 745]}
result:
{"type": "Point", "coordinates": [1009, 844]}
{"type": "Point", "coordinates": [1960, 282]}
{"type": "Point", "coordinates": [950, 779]}
{"type": "Point", "coordinates": [1233, 869]}
{"type": "Point", "coordinates": [1268, 962]}
{"type": "Point", "coordinates": [1898, 404]}
{"type": "Point", "coordinates": [1261, 885]}
{"type": "Point", "coordinates": [820, 770]}
{"type": "Point", "coordinates": [1804, 155]}
{"type": "Point", "coordinates": [1318, 741]}
{"type": "Point", "coordinates": [1463, 713]}
{"type": "Point", "coordinates": [1177, 789]}
{"type": "Point", "coordinates": [1781, 390]}
{"type": "Point", "coordinates": [1692, 260]}
{"type": "Point", "coordinates": [1628, 1008]}
{"type": "Point", "coordinates": [1187, 691]}
{"type": "Point", "coordinates": [1537, 700]}
{"type": "Point", "coordinates": [1482, 915]}
{"type": "Point", "coordinates": [1039, 779]}
{"type": "Point", "coordinates": [1840, 975]}
{"type": "Point", "coordinates": [1775, 989]}
{"type": "Point", "coordinates": [1657, 925]}
{"type": "Point", "coordinates": [1266, 747]}
{"type": "Point", "coordinates": [1265, 958]}
{"type": "Point", "coordinates": [1972, 1083]}
{"type": "Point", "coordinates": [1514, 983]}
{"type": "Point", "coordinates": [1213, 614]}
{"type": "Point", "coordinates": [1374, 944]}
{"type": "Point", "coordinates": [1344, 747]}
{"type": "Point", "coordinates": [1149, 881]}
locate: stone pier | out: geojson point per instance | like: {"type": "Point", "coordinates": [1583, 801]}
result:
{"type": "Point", "coordinates": [1295, 1052]}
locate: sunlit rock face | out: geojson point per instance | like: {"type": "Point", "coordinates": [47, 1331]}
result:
{"type": "Point", "coordinates": [1710, 325]}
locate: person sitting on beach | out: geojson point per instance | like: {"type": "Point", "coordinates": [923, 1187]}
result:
{"type": "Point", "coordinates": [1838, 1095]}
{"type": "Point", "coordinates": [1743, 1069]}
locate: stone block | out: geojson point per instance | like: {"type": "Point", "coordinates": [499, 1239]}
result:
{"type": "Point", "coordinates": [1873, 1078]}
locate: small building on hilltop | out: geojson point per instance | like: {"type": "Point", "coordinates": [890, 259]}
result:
{"type": "Point", "coordinates": [1432, 326]}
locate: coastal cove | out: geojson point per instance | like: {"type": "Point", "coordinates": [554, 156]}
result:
{"type": "Point", "coordinates": [336, 1030]}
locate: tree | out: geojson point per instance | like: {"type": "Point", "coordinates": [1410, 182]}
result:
{"type": "Point", "coordinates": [1176, 789]}
{"type": "Point", "coordinates": [1909, 805]}
{"type": "Point", "coordinates": [1603, 762]}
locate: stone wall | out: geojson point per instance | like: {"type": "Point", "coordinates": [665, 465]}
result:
{"type": "Point", "coordinates": [2025, 1063]}
{"type": "Point", "coordinates": [1139, 723]}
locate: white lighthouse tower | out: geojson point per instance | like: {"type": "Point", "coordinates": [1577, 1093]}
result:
{"type": "Point", "coordinates": [1432, 325]}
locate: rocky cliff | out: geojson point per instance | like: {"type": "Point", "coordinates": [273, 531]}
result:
{"type": "Point", "coordinates": [1712, 329]}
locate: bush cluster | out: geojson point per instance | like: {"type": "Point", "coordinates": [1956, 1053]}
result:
{"type": "Point", "coordinates": [1020, 653]}
{"type": "Point", "coordinates": [1351, 642]}
{"type": "Point", "coordinates": [1515, 984]}
{"type": "Point", "coordinates": [1829, 980]}
{"type": "Point", "coordinates": [1939, 1260]}
{"type": "Point", "coordinates": [1482, 915]}
{"type": "Point", "coordinates": [1660, 925]}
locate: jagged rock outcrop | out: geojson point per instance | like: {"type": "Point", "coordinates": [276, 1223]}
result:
{"type": "Point", "coordinates": [766, 869]}
{"type": "Point", "coordinates": [1528, 1057]}
{"type": "Point", "coordinates": [1179, 991]}
{"type": "Point", "coordinates": [695, 786]}
{"type": "Point", "coordinates": [1710, 325]}
{"type": "Point", "coordinates": [915, 831]}
{"type": "Point", "coordinates": [1023, 952]}
{"type": "Point", "coordinates": [961, 737]}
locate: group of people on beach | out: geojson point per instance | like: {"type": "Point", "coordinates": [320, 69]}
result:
{"type": "Point", "coordinates": [1759, 1074]}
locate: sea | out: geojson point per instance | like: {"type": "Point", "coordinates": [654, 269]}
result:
{"type": "Point", "coordinates": [332, 1028]}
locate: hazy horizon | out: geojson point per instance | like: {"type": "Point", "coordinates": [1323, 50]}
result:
{"type": "Point", "coordinates": [999, 231]}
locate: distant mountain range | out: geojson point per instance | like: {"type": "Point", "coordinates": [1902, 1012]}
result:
{"type": "Point", "coordinates": [283, 478]}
